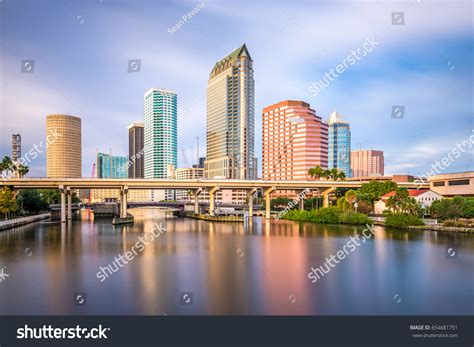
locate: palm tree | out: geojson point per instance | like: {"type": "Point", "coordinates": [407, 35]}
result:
{"type": "Point", "coordinates": [22, 170]}
{"type": "Point", "coordinates": [315, 172]}
{"type": "Point", "coordinates": [342, 175]}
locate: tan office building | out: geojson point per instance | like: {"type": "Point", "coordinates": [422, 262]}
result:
{"type": "Point", "coordinates": [367, 163]}
{"type": "Point", "coordinates": [63, 149]}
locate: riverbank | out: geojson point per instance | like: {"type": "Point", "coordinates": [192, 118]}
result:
{"type": "Point", "coordinates": [16, 222]}
{"type": "Point", "coordinates": [442, 228]}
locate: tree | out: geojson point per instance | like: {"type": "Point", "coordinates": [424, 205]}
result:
{"type": "Point", "coordinates": [32, 201]}
{"type": "Point", "coordinates": [8, 203]}
{"type": "Point", "coordinates": [373, 191]}
{"type": "Point", "coordinates": [315, 172]}
{"type": "Point", "coordinates": [402, 202]}
{"type": "Point", "coordinates": [22, 170]}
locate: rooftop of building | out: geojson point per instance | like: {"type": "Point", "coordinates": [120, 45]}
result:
{"type": "Point", "coordinates": [298, 103]}
{"type": "Point", "coordinates": [242, 50]}
{"type": "Point", "coordinates": [336, 117]}
{"type": "Point", "coordinates": [411, 192]}
{"type": "Point", "coordinates": [163, 90]}
{"type": "Point", "coordinates": [135, 125]}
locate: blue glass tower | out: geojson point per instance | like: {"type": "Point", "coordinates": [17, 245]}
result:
{"type": "Point", "coordinates": [339, 144]}
{"type": "Point", "coordinates": [109, 166]}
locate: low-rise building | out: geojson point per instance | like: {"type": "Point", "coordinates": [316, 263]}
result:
{"type": "Point", "coordinates": [453, 184]}
{"type": "Point", "coordinates": [424, 196]}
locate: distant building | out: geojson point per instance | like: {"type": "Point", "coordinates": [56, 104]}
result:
{"type": "Point", "coordinates": [202, 160]}
{"type": "Point", "coordinates": [161, 138]}
{"type": "Point", "coordinates": [294, 140]}
{"type": "Point", "coordinates": [423, 196]}
{"type": "Point", "coordinates": [110, 166]}
{"type": "Point", "coordinates": [453, 184]}
{"type": "Point", "coordinates": [64, 150]}
{"type": "Point", "coordinates": [230, 118]}
{"type": "Point", "coordinates": [187, 174]}
{"type": "Point", "coordinates": [136, 154]}
{"type": "Point", "coordinates": [367, 163]}
{"type": "Point", "coordinates": [16, 147]}
{"type": "Point", "coordinates": [339, 144]}
{"type": "Point", "coordinates": [395, 178]}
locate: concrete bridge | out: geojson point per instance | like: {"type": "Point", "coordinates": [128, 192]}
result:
{"type": "Point", "coordinates": [66, 185]}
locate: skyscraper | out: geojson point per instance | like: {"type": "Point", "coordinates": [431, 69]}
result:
{"type": "Point", "coordinates": [230, 118]}
{"type": "Point", "coordinates": [136, 151]}
{"type": "Point", "coordinates": [16, 147]}
{"type": "Point", "coordinates": [64, 151]}
{"type": "Point", "coordinates": [110, 166]}
{"type": "Point", "coordinates": [294, 140]}
{"type": "Point", "coordinates": [339, 143]}
{"type": "Point", "coordinates": [160, 132]}
{"type": "Point", "coordinates": [161, 138]}
{"type": "Point", "coordinates": [365, 163]}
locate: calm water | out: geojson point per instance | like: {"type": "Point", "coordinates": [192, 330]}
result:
{"type": "Point", "coordinates": [260, 268]}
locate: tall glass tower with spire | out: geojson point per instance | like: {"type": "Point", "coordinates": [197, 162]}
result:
{"type": "Point", "coordinates": [339, 144]}
{"type": "Point", "coordinates": [230, 118]}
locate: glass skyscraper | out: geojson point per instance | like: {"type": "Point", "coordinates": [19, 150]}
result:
{"type": "Point", "coordinates": [110, 166]}
{"type": "Point", "coordinates": [339, 144]}
{"type": "Point", "coordinates": [161, 138]}
{"type": "Point", "coordinates": [230, 118]}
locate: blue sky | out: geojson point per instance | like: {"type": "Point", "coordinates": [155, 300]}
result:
{"type": "Point", "coordinates": [81, 51]}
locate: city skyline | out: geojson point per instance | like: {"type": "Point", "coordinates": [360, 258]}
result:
{"type": "Point", "coordinates": [416, 136]}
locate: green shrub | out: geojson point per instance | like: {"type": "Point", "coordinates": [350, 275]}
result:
{"type": "Point", "coordinates": [355, 218]}
{"type": "Point", "coordinates": [328, 215]}
{"type": "Point", "coordinates": [402, 220]}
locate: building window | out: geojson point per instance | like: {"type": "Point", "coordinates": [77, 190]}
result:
{"type": "Point", "coordinates": [438, 184]}
{"type": "Point", "coordinates": [458, 183]}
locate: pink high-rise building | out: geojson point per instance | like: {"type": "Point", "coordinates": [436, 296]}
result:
{"type": "Point", "coordinates": [294, 140]}
{"type": "Point", "coordinates": [366, 163]}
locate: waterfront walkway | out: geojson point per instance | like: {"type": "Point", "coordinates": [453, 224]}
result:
{"type": "Point", "coordinates": [16, 222]}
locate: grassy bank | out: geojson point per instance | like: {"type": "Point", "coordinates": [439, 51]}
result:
{"type": "Point", "coordinates": [328, 215]}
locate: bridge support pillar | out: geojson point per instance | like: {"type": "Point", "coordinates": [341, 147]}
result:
{"type": "Point", "coordinates": [325, 196]}
{"type": "Point", "coordinates": [212, 200]}
{"type": "Point", "coordinates": [123, 202]}
{"type": "Point", "coordinates": [196, 194]}
{"type": "Point", "coordinates": [267, 193]}
{"type": "Point", "coordinates": [250, 201]}
{"type": "Point", "coordinates": [300, 197]}
{"type": "Point", "coordinates": [69, 203]}
{"type": "Point", "coordinates": [63, 204]}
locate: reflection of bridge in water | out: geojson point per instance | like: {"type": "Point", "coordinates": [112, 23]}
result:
{"type": "Point", "coordinates": [197, 187]}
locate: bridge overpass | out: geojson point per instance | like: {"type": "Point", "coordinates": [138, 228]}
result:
{"type": "Point", "coordinates": [66, 185]}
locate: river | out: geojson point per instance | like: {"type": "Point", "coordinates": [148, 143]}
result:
{"type": "Point", "coordinates": [194, 267]}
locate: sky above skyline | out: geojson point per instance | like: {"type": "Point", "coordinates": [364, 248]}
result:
{"type": "Point", "coordinates": [81, 51]}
